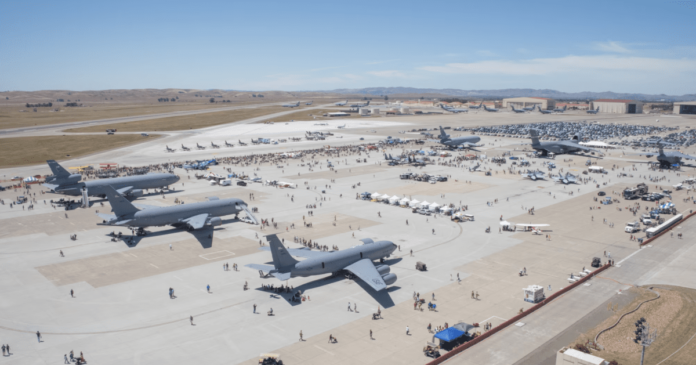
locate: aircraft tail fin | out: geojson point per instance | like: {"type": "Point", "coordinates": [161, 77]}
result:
{"type": "Point", "coordinates": [565, 107]}
{"type": "Point", "coordinates": [282, 259]}
{"type": "Point", "coordinates": [57, 169]}
{"type": "Point", "coordinates": [534, 134]}
{"type": "Point", "coordinates": [119, 205]}
{"type": "Point", "coordinates": [443, 135]}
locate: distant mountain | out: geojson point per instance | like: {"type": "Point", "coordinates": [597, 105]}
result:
{"type": "Point", "coordinates": [509, 93]}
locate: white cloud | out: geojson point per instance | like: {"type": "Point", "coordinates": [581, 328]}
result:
{"type": "Point", "coordinates": [610, 46]}
{"type": "Point", "coordinates": [568, 64]}
{"type": "Point", "coordinates": [387, 73]}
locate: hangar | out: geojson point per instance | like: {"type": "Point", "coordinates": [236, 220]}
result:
{"type": "Point", "coordinates": [618, 106]}
{"type": "Point", "coordinates": [685, 107]}
{"type": "Point", "coordinates": [543, 103]}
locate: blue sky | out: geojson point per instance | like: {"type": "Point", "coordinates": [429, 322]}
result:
{"type": "Point", "coordinates": [621, 46]}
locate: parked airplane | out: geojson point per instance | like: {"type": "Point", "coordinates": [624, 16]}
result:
{"type": "Point", "coordinates": [200, 147]}
{"type": "Point", "coordinates": [528, 108]}
{"type": "Point", "coordinates": [63, 182]}
{"type": "Point", "coordinates": [559, 110]}
{"type": "Point", "coordinates": [184, 148]}
{"type": "Point", "coordinates": [453, 110]}
{"type": "Point", "coordinates": [358, 260]}
{"type": "Point", "coordinates": [669, 158]}
{"type": "Point", "coordinates": [309, 103]}
{"type": "Point", "coordinates": [342, 103]}
{"type": "Point", "coordinates": [518, 110]}
{"type": "Point", "coordinates": [475, 168]}
{"type": "Point", "coordinates": [341, 126]}
{"type": "Point", "coordinates": [200, 165]}
{"type": "Point", "coordinates": [291, 105]}
{"type": "Point", "coordinates": [559, 147]}
{"type": "Point", "coordinates": [567, 179]}
{"type": "Point", "coordinates": [242, 143]}
{"type": "Point", "coordinates": [358, 105]}
{"type": "Point", "coordinates": [408, 160]}
{"type": "Point", "coordinates": [463, 142]}
{"type": "Point", "coordinates": [192, 216]}
{"type": "Point", "coordinates": [590, 111]}
{"type": "Point", "coordinates": [170, 149]}
{"type": "Point", "coordinates": [534, 175]}
{"type": "Point", "coordinates": [227, 144]}
{"type": "Point", "coordinates": [490, 110]}
{"type": "Point", "coordinates": [476, 106]}
{"type": "Point", "coordinates": [544, 111]}
{"type": "Point", "coordinates": [214, 145]}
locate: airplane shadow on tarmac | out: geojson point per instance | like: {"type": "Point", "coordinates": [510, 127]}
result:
{"type": "Point", "coordinates": [204, 236]}
{"type": "Point", "coordinates": [382, 297]}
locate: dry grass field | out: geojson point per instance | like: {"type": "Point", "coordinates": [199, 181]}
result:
{"type": "Point", "coordinates": [674, 317]}
{"type": "Point", "coordinates": [183, 122]}
{"type": "Point", "coordinates": [22, 151]}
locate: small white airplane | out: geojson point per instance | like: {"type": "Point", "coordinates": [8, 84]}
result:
{"type": "Point", "coordinates": [341, 126]}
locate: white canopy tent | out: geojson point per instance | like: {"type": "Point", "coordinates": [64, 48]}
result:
{"type": "Point", "coordinates": [424, 204]}
{"type": "Point", "coordinates": [394, 200]}
{"type": "Point", "coordinates": [414, 203]}
{"type": "Point", "coordinates": [434, 207]}
{"type": "Point", "coordinates": [31, 179]}
{"type": "Point", "coordinates": [384, 197]}
{"type": "Point", "coordinates": [445, 209]}
{"type": "Point", "coordinates": [375, 195]}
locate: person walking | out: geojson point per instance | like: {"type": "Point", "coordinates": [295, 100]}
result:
{"type": "Point", "coordinates": [61, 253]}
{"type": "Point", "coordinates": [208, 288]}
{"type": "Point", "coordinates": [301, 339]}
{"type": "Point", "coordinates": [170, 247]}
{"type": "Point", "coordinates": [254, 308]}
{"type": "Point", "coordinates": [65, 357]}
{"type": "Point", "coordinates": [355, 307]}
{"type": "Point", "coordinates": [191, 320]}
{"type": "Point", "coordinates": [371, 335]}
{"type": "Point", "coordinates": [349, 310]}
{"type": "Point", "coordinates": [38, 336]}
{"type": "Point", "coordinates": [72, 293]}
{"type": "Point", "coordinates": [3, 349]}
{"type": "Point", "coordinates": [407, 331]}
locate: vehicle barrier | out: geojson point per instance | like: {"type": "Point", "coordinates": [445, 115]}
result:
{"type": "Point", "coordinates": [514, 319]}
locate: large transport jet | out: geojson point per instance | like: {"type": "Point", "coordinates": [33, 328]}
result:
{"type": "Point", "coordinates": [63, 182]}
{"type": "Point", "coordinates": [359, 105]}
{"type": "Point", "coordinates": [453, 110]}
{"type": "Point", "coordinates": [463, 142]}
{"type": "Point", "coordinates": [476, 106]}
{"type": "Point", "coordinates": [191, 216]}
{"type": "Point", "coordinates": [518, 110]}
{"type": "Point", "coordinates": [590, 111]}
{"type": "Point", "coordinates": [490, 110]}
{"type": "Point", "coordinates": [669, 158]}
{"type": "Point", "coordinates": [544, 111]}
{"type": "Point", "coordinates": [358, 260]}
{"type": "Point", "coordinates": [570, 147]}
{"type": "Point", "coordinates": [291, 105]}
{"type": "Point", "coordinates": [342, 103]}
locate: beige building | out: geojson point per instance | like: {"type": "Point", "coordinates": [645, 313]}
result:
{"type": "Point", "coordinates": [685, 107]}
{"type": "Point", "coordinates": [543, 103]}
{"type": "Point", "coordinates": [617, 106]}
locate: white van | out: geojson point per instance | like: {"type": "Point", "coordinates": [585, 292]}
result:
{"type": "Point", "coordinates": [226, 182]}
{"type": "Point", "coordinates": [632, 227]}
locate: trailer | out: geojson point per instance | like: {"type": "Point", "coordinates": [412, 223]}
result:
{"type": "Point", "coordinates": [651, 232]}
{"type": "Point", "coordinates": [635, 193]}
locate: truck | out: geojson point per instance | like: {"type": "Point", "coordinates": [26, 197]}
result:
{"type": "Point", "coordinates": [635, 193]}
{"type": "Point", "coordinates": [632, 227]}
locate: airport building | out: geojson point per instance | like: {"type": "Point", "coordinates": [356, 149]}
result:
{"type": "Point", "coordinates": [617, 106]}
{"type": "Point", "coordinates": [543, 103]}
{"type": "Point", "coordinates": [685, 107]}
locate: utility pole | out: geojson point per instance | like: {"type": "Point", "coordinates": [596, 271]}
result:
{"type": "Point", "coordinates": [644, 336]}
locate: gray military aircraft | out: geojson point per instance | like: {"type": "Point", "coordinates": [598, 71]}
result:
{"type": "Point", "coordinates": [559, 110]}
{"type": "Point", "coordinates": [518, 110]}
{"type": "Point", "coordinates": [476, 106]}
{"type": "Point", "coordinates": [309, 103]}
{"type": "Point", "coordinates": [408, 160]}
{"type": "Point", "coordinates": [453, 110]}
{"type": "Point", "coordinates": [358, 260]}
{"type": "Point", "coordinates": [567, 179]}
{"type": "Point", "coordinates": [291, 105]}
{"type": "Point", "coordinates": [63, 182]}
{"type": "Point", "coordinates": [227, 144]}
{"type": "Point", "coordinates": [458, 142]}
{"type": "Point", "coordinates": [590, 111]}
{"type": "Point", "coordinates": [359, 105]}
{"type": "Point", "coordinates": [559, 147]}
{"type": "Point", "coordinates": [170, 149]}
{"type": "Point", "coordinates": [668, 158]}
{"type": "Point", "coordinates": [214, 145]}
{"type": "Point", "coordinates": [544, 111]}
{"type": "Point", "coordinates": [191, 216]}
{"type": "Point", "coordinates": [534, 175]}
{"type": "Point", "coordinates": [200, 147]}
{"type": "Point", "coordinates": [529, 108]}
{"type": "Point", "coordinates": [489, 110]}
{"type": "Point", "coordinates": [475, 168]}
{"type": "Point", "coordinates": [342, 103]}
{"type": "Point", "coordinates": [184, 148]}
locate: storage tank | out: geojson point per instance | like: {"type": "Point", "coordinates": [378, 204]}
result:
{"type": "Point", "coordinates": [374, 111]}
{"type": "Point", "coordinates": [364, 111]}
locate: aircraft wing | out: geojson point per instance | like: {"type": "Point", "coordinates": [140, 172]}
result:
{"type": "Point", "coordinates": [145, 206]}
{"type": "Point", "coordinates": [106, 217]}
{"type": "Point", "coordinates": [124, 191]}
{"type": "Point", "coordinates": [299, 252]}
{"type": "Point", "coordinates": [264, 268]}
{"type": "Point", "coordinates": [679, 154]}
{"type": "Point", "coordinates": [197, 221]}
{"type": "Point", "coordinates": [574, 145]}
{"type": "Point", "coordinates": [651, 154]}
{"type": "Point", "coordinates": [365, 270]}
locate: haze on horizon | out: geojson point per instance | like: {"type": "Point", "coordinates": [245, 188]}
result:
{"type": "Point", "coordinates": [636, 47]}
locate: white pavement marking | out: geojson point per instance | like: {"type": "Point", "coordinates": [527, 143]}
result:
{"type": "Point", "coordinates": [216, 255]}
{"type": "Point", "coordinates": [628, 257]}
{"type": "Point", "coordinates": [328, 352]}
{"type": "Point", "coordinates": [155, 266]}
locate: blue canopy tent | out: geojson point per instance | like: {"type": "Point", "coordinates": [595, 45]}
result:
{"type": "Point", "coordinates": [450, 334]}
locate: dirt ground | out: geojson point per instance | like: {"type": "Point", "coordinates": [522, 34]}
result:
{"type": "Point", "coordinates": [183, 122]}
{"type": "Point", "coordinates": [674, 318]}
{"type": "Point", "coordinates": [22, 151]}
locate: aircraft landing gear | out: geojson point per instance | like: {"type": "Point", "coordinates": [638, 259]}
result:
{"type": "Point", "coordinates": [141, 232]}
{"type": "Point", "coordinates": [381, 260]}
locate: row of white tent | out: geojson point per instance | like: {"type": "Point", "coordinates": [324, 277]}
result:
{"type": "Point", "coordinates": [406, 202]}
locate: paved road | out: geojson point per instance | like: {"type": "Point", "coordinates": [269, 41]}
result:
{"type": "Point", "coordinates": [14, 131]}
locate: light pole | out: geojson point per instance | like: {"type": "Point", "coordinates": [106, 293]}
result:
{"type": "Point", "coordinates": [644, 336]}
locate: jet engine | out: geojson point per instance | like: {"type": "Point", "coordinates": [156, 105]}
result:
{"type": "Point", "coordinates": [383, 269]}
{"type": "Point", "coordinates": [215, 221]}
{"type": "Point", "coordinates": [136, 193]}
{"type": "Point", "coordinates": [389, 279]}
